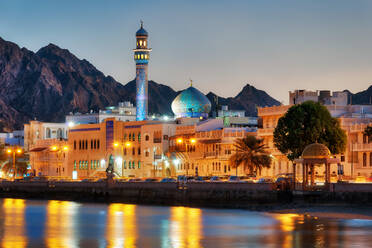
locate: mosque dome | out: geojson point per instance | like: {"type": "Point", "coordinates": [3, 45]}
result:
{"type": "Point", "coordinates": [141, 31]}
{"type": "Point", "coordinates": [191, 103]}
{"type": "Point", "coordinates": [316, 150]}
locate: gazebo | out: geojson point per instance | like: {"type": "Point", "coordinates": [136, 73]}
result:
{"type": "Point", "coordinates": [314, 154]}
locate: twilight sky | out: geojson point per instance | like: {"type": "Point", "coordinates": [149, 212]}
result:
{"type": "Point", "coordinates": [276, 45]}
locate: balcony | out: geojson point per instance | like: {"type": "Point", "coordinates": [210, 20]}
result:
{"type": "Point", "coordinates": [210, 154]}
{"type": "Point", "coordinates": [156, 156]}
{"type": "Point", "coordinates": [157, 140]}
{"type": "Point", "coordinates": [265, 131]}
{"type": "Point", "coordinates": [362, 147]}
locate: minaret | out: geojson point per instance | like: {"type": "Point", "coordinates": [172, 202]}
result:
{"type": "Point", "coordinates": [141, 56]}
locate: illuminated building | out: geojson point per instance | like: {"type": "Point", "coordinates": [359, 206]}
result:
{"type": "Point", "coordinates": [141, 56]}
{"type": "Point", "coordinates": [356, 160]}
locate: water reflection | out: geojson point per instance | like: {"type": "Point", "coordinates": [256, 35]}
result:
{"type": "Point", "coordinates": [60, 224]}
{"type": "Point", "coordinates": [185, 227]}
{"type": "Point", "coordinates": [69, 224]}
{"type": "Point", "coordinates": [14, 224]}
{"type": "Point", "coordinates": [121, 226]}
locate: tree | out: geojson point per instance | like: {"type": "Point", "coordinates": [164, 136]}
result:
{"type": "Point", "coordinates": [251, 153]}
{"type": "Point", "coordinates": [308, 123]}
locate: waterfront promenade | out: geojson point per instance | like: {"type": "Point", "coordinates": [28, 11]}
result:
{"type": "Point", "coordinates": [236, 195]}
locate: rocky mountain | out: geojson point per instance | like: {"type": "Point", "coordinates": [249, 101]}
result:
{"type": "Point", "coordinates": [52, 82]}
{"type": "Point", "coordinates": [248, 99]}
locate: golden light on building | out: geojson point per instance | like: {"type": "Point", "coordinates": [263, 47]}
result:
{"type": "Point", "coordinates": [54, 148]}
{"type": "Point", "coordinates": [179, 140]}
{"type": "Point", "coordinates": [193, 141]}
{"type": "Point", "coordinates": [127, 144]}
{"type": "Point", "coordinates": [65, 148]}
{"type": "Point", "coordinates": [116, 144]}
{"type": "Point", "coordinates": [19, 150]}
{"type": "Point", "coordinates": [9, 151]}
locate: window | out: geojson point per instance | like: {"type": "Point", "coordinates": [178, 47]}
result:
{"type": "Point", "coordinates": [147, 153]}
{"type": "Point", "coordinates": [140, 42]}
{"type": "Point", "coordinates": [86, 144]}
{"type": "Point", "coordinates": [97, 144]}
{"type": "Point", "coordinates": [141, 56]}
{"type": "Point", "coordinates": [139, 136]}
{"type": "Point", "coordinates": [125, 151]}
{"type": "Point", "coordinates": [144, 43]}
{"type": "Point", "coordinates": [139, 164]}
{"type": "Point", "coordinates": [74, 164]}
{"type": "Point", "coordinates": [79, 144]}
{"type": "Point", "coordinates": [370, 159]}
{"type": "Point", "coordinates": [139, 151]}
{"type": "Point", "coordinates": [91, 144]}
{"type": "Point", "coordinates": [125, 136]}
{"type": "Point", "coordinates": [125, 164]}
{"type": "Point", "coordinates": [364, 159]}
{"type": "Point", "coordinates": [133, 137]}
{"type": "Point", "coordinates": [133, 151]}
{"type": "Point", "coordinates": [147, 137]}
{"type": "Point", "coordinates": [364, 138]}
{"type": "Point", "coordinates": [74, 144]}
{"type": "Point", "coordinates": [48, 134]}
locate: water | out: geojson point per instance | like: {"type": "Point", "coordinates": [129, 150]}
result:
{"type": "Point", "coordinates": [28, 223]}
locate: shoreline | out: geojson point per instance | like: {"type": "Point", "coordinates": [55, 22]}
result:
{"type": "Point", "coordinates": [331, 211]}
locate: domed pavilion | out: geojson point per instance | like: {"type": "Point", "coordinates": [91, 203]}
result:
{"type": "Point", "coordinates": [315, 154]}
{"type": "Point", "coordinates": [191, 103]}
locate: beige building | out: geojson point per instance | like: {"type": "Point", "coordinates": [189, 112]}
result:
{"type": "Point", "coordinates": [357, 159]}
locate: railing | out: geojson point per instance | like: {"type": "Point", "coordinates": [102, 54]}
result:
{"type": "Point", "coordinates": [210, 154]}
{"type": "Point", "coordinates": [265, 131]}
{"type": "Point", "coordinates": [157, 156]}
{"type": "Point", "coordinates": [157, 140]}
{"type": "Point", "coordinates": [362, 147]}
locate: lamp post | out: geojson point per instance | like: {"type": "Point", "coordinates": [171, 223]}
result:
{"type": "Point", "coordinates": [59, 149]}
{"type": "Point", "coordinates": [186, 142]}
{"type": "Point", "coordinates": [14, 151]}
{"type": "Point", "coordinates": [122, 146]}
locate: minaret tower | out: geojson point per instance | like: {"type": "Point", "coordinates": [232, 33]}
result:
{"type": "Point", "coordinates": [141, 56]}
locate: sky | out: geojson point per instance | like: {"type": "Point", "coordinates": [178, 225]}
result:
{"type": "Point", "coordinates": [276, 46]}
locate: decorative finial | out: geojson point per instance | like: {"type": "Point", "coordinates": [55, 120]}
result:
{"type": "Point", "coordinates": [190, 82]}
{"type": "Point", "coordinates": [141, 23]}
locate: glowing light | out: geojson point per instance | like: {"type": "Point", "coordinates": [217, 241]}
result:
{"type": "Point", "coordinates": [165, 118]}
{"type": "Point", "coordinates": [193, 141]}
{"type": "Point", "coordinates": [179, 140]}
{"type": "Point", "coordinates": [19, 150]}
{"type": "Point", "coordinates": [103, 162]}
{"type": "Point", "coordinates": [116, 144]}
{"type": "Point", "coordinates": [74, 175]}
{"type": "Point", "coordinates": [166, 163]}
{"type": "Point", "coordinates": [176, 161]}
{"type": "Point", "coordinates": [54, 148]}
{"type": "Point", "coordinates": [9, 151]}
{"type": "Point", "coordinates": [70, 124]}
{"type": "Point", "coordinates": [119, 161]}
{"type": "Point", "coordinates": [127, 144]}
{"type": "Point", "coordinates": [65, 148]}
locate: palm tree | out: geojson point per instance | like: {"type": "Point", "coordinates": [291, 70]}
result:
{"type": "Point", "coordinates": [368, 131]}
{"type": "Point", "coordinates": [251, 153]}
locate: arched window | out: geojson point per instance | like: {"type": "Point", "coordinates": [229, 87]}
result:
{"type": "Point", "coordinates": [144, 43]}
{"type": "Point", "coordinates": [74, 144]}
{"type": "Point", "coordinates": [140, 42]}
{"type": "Point", "coordinates": [364, 159]}
{"type": "Point", "coordinates": [370, 159]}
{"type": "Point", "coordinates": [139, 136]}
{"type": "Point", "coordinates": [48, 133]}
{"type": "Point", "coordinates": [141, 56]}
{"type": "Point", "coordinates": [133, 137]}
{"type": "Point", "coordinates": [59, 133]}
{"type": "Point", "coordinates": [147, 137]}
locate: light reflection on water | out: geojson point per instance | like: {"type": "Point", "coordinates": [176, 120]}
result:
{"type": "Point", "coordinates": [26, 223]}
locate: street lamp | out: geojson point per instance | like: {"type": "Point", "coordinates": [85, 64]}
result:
{"type": "Point", "coordinates": [58, 149]}
{"type": "Point", "coordinates": [14, 151]}
{"type": "Point", "coordinates": [122, 145]}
